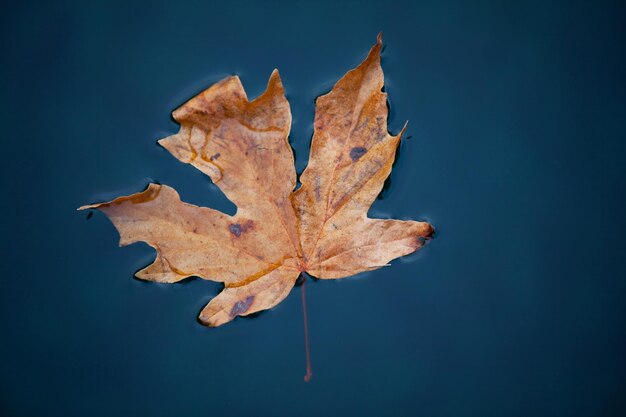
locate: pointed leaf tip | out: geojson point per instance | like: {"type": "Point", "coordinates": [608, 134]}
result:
{"type": "Point", "coordinates": [403, 129]}
{"type": "Point", "coordinates": [275, 80]}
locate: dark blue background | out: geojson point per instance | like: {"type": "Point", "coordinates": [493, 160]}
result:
{"type": "Point", "coordinates": [517, 123]}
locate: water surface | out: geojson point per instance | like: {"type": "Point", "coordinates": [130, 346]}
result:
{"type": "Point", "coordinates": [516, 154]}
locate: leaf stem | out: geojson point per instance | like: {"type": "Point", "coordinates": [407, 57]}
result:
{"type": "Point", "coordinates": [309, 371]}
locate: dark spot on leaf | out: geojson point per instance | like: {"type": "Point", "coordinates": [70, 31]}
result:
{"type": "Point", "coordinates": [421, 240]}
{"type": "Point", "coordinates": [242, 306]}
{"type": "Point", "coordinates": [357, 152]}
{"type": "Point", "coordinates": [214, 157]}
{"type": "Point", "coordinates": [237, 229]}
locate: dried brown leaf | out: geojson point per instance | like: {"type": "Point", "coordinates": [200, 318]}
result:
{"type": "Point", "coordinates": [276, 234]}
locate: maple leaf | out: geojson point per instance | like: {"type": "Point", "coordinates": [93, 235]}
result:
{"type": "Point", "coordinates": [277, 234]}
